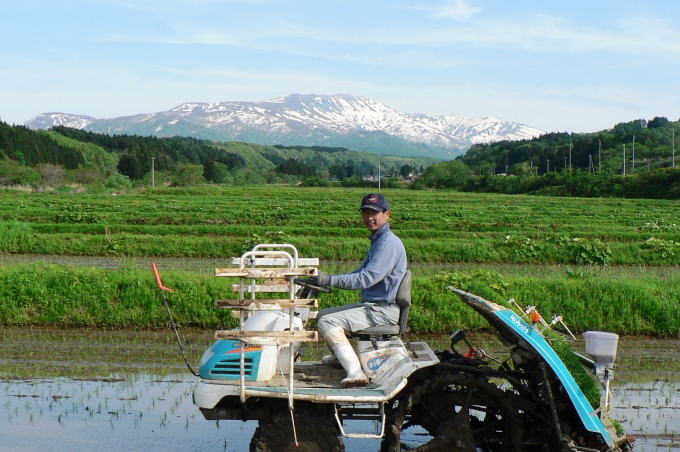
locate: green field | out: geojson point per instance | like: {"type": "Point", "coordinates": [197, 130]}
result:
{"type": "Point", "coordinates": [603, 263]}
{"type": "Point", "coordinates": [436, 226]}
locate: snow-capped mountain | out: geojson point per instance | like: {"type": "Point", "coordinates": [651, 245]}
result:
{"type": "Point", "coordinates": [329, 120]}
{"type": "Point", "coordinates": [47, 120]}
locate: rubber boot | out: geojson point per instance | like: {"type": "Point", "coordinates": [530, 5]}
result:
{"type": "Point", "coordinates": [347, 357]}
{"type": "Point", "coordinates": [330, 360]}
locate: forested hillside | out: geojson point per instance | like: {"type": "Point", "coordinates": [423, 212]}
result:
{"type": "Point", "coordinates": [651, 142]}
{"type": "Point", "coordinates": [66, 155]}
{"type": "Point", "coordinates": [135, 152]}
{"type": "Point", "coordinates": [33, 148]}
{"type": "Point", "coordinates": [633, 159]}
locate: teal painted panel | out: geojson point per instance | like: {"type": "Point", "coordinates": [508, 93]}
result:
{"type": "Point", "coordinates": [538, 342]}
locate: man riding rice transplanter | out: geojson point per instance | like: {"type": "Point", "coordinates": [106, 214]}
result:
{"type": "Point", "coordinates": [378, 277]}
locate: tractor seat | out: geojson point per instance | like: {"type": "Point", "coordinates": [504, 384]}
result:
{"type": "Point", "coordinates": [403, 299]}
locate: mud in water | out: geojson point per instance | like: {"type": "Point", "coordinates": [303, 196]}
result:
{"type": "Point", "coordinates": [129, 390]}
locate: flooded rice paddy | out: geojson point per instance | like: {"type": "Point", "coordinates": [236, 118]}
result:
{"type": "Point", "coordinates": [128, 390]}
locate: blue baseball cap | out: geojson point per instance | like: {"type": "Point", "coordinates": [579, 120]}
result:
{"type": "Point", "coordinates": [375, 201]}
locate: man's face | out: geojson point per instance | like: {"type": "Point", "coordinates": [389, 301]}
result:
{"type": "Point", "coordinates": [374, 219]}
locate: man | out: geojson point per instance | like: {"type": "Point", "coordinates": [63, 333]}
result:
{"type": "Point", "coordinates": [378, 277]}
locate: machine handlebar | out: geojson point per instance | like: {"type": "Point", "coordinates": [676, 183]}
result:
{"type": "Point", "coordinates": [311, 283]}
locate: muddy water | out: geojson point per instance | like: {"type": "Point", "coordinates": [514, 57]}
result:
{"type": "Point", "coordinates": [128, 390]}
{"type": "Point", "coordinates": [207, 265]}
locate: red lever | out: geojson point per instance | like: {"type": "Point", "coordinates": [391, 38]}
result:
{"type": "Point", "coordinates": [157, 275]}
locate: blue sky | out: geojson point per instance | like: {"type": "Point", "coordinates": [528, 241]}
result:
{"type": "Point", "coordinates": [557, 65]}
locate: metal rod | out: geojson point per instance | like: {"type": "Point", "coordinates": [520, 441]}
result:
{"type": "Point", "coordinates": [362, 435]}
{"type": "Point", "coordinates": [294, 262]}
{"type": "Point", "coordinates": [567, 328]}
{"type": "Point", "coordinates": [172, 320]}
{"type": "Point", "coordinates": [606, 396]}
{"type": "Point", "coordinates": [291, 346]}
{"type": "Point", "coordinates": [553, 410]}
{"type": "Point", "coordinates": [290, 407]}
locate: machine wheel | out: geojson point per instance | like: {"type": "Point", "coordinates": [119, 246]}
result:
{"type": "Point", "coordinates": [315, 427]}
{"type": "Point", "coordinates": [460, 411]}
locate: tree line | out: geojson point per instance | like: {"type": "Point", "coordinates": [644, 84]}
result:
{"type": "Point", "coordinates": [30, 148]}
{"type": "Point", "coordinates": [80, 156]}
{"type": "Point", "coordinates": [652, 141]}
{"type": "Point", "coordinates": [137, 152]}
{"type": "Point", "coordinates": [564, 164]}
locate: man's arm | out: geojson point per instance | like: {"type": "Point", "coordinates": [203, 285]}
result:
{"type": "Point", "coordinates": [371, 272]}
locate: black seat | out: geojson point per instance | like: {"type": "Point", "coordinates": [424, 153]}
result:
{"type": "Point", "coordinates": [404, 301]}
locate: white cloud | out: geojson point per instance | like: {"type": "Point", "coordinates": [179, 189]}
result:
{"type": "Point", "coordinates": [542, 32]}
{"type": "Point", "coordinates": [534, 32]}
{"type": "Point", "coordinates": [456, 10]}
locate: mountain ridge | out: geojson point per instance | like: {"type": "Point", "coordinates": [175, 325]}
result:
{"type": "Point", "coordinates": [308, 119]}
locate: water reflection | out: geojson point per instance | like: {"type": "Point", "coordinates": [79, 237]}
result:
{"type": "Point", "coordinates": [139, 412]}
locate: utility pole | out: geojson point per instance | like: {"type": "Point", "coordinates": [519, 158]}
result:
{"type": "Point", "coordinates": [633, 152]}
{"type": "Point", "coordinates": [624, 159]}
{"type": "Point", "coordinates": [153, 173]}
{"type": "Point", "coordinates": [591, 167]}
{"type": "Point", "coordinates": [378, 176]}
{"type": "Point", "coordinates": [547, 166]}
{"type": "Point", "coordinates": [569, 155]}
{"type": "Point", "coordinates": [673, 158]}
{"type": "Point", "coordinates": [599, 156]}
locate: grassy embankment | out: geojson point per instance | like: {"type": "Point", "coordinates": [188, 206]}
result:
{"type": "Point", "coordinates": [38, 294]}
{"type": "Point", "coordinates": [523, 244]}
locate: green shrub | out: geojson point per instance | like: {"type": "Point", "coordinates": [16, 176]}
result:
{"type": "Point", "coordinates": [663, 248]}
{"type": "Point", "coordinates": [591, 252]}
{"type": "Point", "coordinates": [117, 181]}
{"type": "Point", "coordinates": [14, 173]}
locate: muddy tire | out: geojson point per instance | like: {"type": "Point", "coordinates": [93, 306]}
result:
{"type": "Point", "coordinates": [442, 401]}
{"type": "Point", "coordinates": [315, 427]}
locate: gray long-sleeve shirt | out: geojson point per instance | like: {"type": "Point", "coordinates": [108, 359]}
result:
{"type": "Point", "coordinates": [381, 272]}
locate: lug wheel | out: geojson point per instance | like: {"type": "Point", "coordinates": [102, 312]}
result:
{"type": "Point", "coordinates": [458, 412]}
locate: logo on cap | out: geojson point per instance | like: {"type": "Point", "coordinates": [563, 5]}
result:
{"type": "Point", "coordinates": [374, 201]}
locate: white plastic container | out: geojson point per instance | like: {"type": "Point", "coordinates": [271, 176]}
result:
{"type": "Point", "coordinates": [274, 357]}
{"type": "Point", "coordinates": [601, 345]}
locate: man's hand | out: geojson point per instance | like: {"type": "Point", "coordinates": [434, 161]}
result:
{"type": "Point", "coordinates": [322, 279]}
